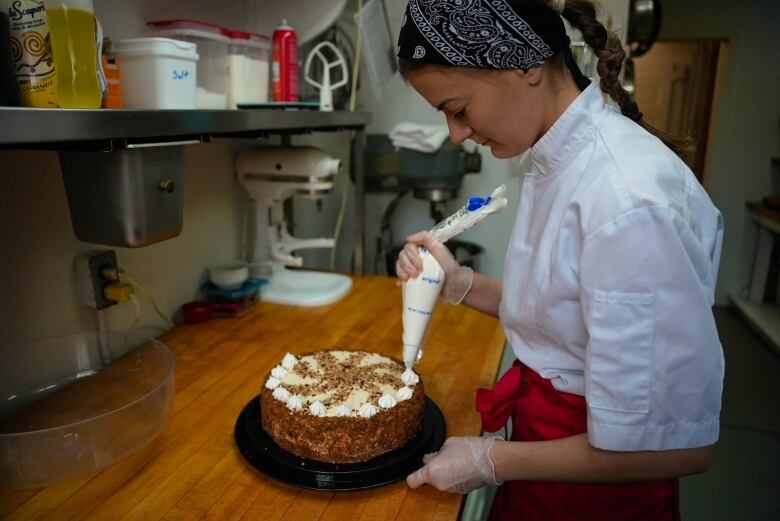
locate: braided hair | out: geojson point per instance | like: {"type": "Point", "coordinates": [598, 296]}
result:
{"type": "Point", "coordinates": [581, 14]}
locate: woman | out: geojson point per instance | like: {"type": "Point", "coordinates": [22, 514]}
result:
{"type": "Point", "coordinates": [609, 276]}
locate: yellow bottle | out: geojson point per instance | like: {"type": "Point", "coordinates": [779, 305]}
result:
{"type": "Point", "coordinates": [72, 27]}
{"type": "Point", "coordinates": [30, 49]}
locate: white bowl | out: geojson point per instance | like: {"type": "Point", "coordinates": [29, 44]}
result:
{"type": "Point", "coordinates": [230, 276]}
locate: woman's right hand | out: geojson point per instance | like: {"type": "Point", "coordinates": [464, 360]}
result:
{"type": "Point", "coordinates": [457, 278]}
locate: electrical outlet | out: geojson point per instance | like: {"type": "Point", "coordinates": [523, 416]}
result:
{"type": "Point", "coordinates": [90, 278]}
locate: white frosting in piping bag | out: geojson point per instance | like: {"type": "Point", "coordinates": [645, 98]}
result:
{"type": "Point", "coordinates": [409, 377]}
{"type": "Point", "coordinates": [419, 297]}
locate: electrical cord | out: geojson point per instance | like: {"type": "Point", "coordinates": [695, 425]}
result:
{"type": "Point", "coordinates": [339, 221]}
{"type": "Point", "coordinates": [146, 294]}
{"type": "Point", "coordinates": [117, 290]}
{"type": "Point", "coordinates": [352, 102]}
{"type": "Point", "coordinates": [358, 53]}
{"type": "Point", "coordinates": [385, 243]}
{"type": "Point", "coordinates": [137, 311]}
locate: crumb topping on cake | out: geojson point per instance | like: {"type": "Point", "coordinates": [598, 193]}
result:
{"type": "Point", "coordinates": [341, 383]}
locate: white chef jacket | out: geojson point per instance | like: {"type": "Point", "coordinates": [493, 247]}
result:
{"type": "Point", "coordinates": [609, 281]}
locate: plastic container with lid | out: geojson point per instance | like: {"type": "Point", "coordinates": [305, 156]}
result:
{"type": "Point", "coordinates": [74, 49]}
{"type": "Point", "coordinates": [158, 73]}
{"type": "Point", "coordinates": [248, 68]}
{"type": "Point", "coordinates": [212, 41]}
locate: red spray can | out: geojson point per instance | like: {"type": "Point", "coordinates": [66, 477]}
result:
{"type": "Point", "coordinates": [284, 68]}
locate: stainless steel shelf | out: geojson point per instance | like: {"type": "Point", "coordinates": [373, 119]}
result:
{"type": "Point", "coordinates": [56, 129]}
{"type": "Point", "coordinates": [107, 129]}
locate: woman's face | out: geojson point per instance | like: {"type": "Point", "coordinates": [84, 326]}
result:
{"type": "Point", "coordinates": [503, 109]}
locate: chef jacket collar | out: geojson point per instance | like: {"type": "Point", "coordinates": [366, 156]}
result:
{"type": "Point", "coordinates": [569, 134]}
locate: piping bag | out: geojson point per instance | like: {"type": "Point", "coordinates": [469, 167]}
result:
{"type": "Point", "coordinates": [419, 295]}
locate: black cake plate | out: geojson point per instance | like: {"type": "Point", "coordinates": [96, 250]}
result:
{"type": "Point", "coordinates": [265, 455]}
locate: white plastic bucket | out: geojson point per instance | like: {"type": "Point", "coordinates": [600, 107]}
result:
{"type": "Point", "coordinates": [212, 41]}
{"type": "Point", "coordinates": [157, 73]}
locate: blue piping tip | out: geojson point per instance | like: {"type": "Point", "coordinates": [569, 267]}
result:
{"type": "Point", "coordinates": [475, 203]}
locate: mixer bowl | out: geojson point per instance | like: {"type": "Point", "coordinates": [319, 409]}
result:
{"type": "Point", "coordinates": [72, 405]}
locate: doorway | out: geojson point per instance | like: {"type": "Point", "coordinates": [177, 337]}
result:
{"type": "Point", "coordinates": [676, 87]}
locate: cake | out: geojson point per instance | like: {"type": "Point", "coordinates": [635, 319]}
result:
{"type": "Point", "coordinates": [341, 406]}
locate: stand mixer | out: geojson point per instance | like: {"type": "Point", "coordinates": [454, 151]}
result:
{"type": "Point", "coordinates": [270, 175]}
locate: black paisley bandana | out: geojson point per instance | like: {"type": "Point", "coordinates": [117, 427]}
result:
{"type": "Point", "coordinates": [488, 34]}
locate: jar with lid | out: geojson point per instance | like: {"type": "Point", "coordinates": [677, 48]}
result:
{"type": "Point", "coordinates": [248, 68]}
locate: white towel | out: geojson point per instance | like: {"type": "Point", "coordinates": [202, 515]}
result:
{"type": "Point", "coordinates": [423, 138]}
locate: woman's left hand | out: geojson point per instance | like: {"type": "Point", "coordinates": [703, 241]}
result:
{"type": "Point", "coordinates": [462, 465]}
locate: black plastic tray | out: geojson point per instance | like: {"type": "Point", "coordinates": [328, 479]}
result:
{"type": "Point", "coordinates": [266, 456]}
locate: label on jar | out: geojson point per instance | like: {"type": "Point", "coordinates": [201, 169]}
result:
{"type": "Point", "coordinates": [31, 53]}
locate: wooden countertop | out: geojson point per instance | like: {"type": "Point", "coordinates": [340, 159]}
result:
{"type": "Point", "coordinates": [192, 470]}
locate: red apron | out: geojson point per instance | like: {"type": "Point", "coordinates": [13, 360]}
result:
{"type": "Point", "coordinates": [539, 412]}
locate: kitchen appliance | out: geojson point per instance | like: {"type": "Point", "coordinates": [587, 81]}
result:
{"type": "Point", "coordinates": [328, 58]}
{"type": "Point", "coordinates": [270, 175]}
{"type": "Point", "coordinates": [435, 177]}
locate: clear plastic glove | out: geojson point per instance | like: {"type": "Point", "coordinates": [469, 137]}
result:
{"type": "Point", "coordinates": [463, 464]}
{"type": "Point", "coordinates": [457, 279]}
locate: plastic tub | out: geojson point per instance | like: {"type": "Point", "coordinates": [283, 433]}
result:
{"type": "Point", "coordinates": [75, 404]}
{"type": "Point", "coordinates": [249, 58]}
{"type": "Point", "coordinates": [157, 73]}
{"type": "Point", "coordinates": [212, 41]}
